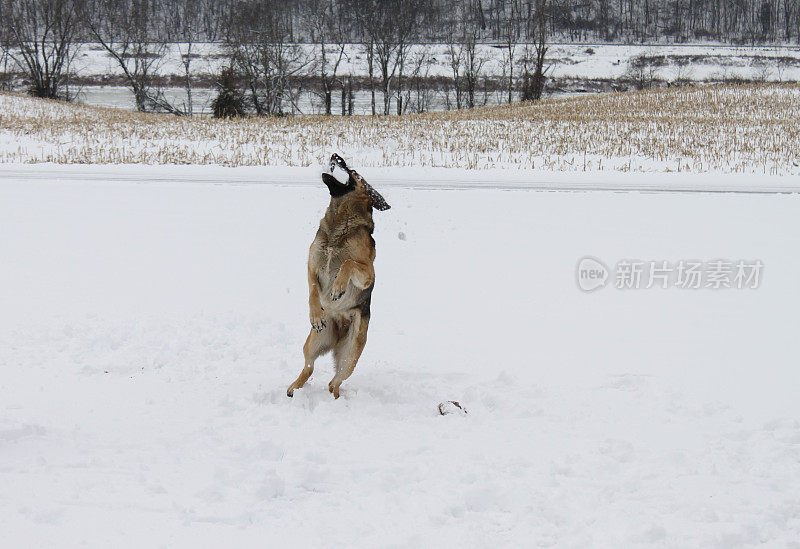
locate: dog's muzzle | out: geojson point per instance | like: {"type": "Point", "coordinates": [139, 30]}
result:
{"type": "Point", "coordinates": [378, 202]}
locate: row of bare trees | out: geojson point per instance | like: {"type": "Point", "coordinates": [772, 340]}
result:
{"type": "Point", "coordinates": [267, 68]}
{"type": "Point", "coordinates": [733, 21]}
{"type": "Point", "coordinates": [277, 50]}
{"type": "Point", "coordinates": [41, 38]}
{"type": "Point", "coordinates": [38, 38]}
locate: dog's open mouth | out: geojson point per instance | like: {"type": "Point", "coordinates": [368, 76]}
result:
{"type": "Point", "coordinates": [339, 169]}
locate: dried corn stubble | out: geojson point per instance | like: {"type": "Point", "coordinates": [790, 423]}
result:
{"type": "Point", "coordinates": [748, 128]}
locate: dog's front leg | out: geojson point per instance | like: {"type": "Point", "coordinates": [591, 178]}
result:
{"type": "Point", "coordinates": [361, 274]}
{"type": "Point", "coordinates": [316, 313]}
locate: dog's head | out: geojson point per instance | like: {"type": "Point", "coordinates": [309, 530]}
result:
{"type": "Point", "coordinates": [350, 182]}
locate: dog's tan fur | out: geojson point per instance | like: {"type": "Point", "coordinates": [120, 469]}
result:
{"type": "Point", "coordinates": [340, 281]}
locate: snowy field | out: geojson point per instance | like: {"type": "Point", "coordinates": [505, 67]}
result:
{"type": "Point", "coordinates": [716, 129]}
{"type": "Point", "coordinates": [151, 325]}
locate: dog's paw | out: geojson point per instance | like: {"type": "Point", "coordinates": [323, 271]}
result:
{"type": "Point", "coordinates": [333, 387]}
{"type": "Point", "coordinates": [318, 325]}
{"type": "Point", "coordinates": [317, 318]}
{"type": "Point", "coordinates": [338, 288]}
{"type": "Point", "coordinates": [337, 294]}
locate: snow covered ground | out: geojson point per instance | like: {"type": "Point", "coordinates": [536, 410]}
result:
{"type": "Point", "coordinates": [151, 325]}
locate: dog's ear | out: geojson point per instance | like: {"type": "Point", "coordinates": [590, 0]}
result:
{"type": "Point", "coordinates": [336, 187]}
{"type": "Point", "coordinates": [378, 202]}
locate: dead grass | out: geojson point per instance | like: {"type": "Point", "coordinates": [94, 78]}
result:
{"type": "Point", "coordinates": [751, 128]}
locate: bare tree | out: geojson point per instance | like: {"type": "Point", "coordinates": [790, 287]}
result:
{"type": "Point", "coordinates": [464, 54]}
{"type": "Point", "coordinates": [474, 60]}
{"type": "Point", "coordinates": [327, 30]}
{"type": "Point", "coordinates": [214, 14]}
{"type": "Point", "coordinates": [369, 50]}
{"type": "Point", "coordinates": [420, 65]}
{"type": "Point", "coordinates": [511, 35]}
{"type": "Point", "coordinates": [348, 97]}
{"type": "Point", "coordinates": [407, 16]}
{"type": "Point", "coordinates": [641, 71]}
{"type": "Point", "coordinates": [40, 39]}
{"type": "Point", "coordinates": [533, 81]}
{"type": "Point", "coordinates": [5, 76]}
{"type": "Point", "coordinates": [379, 26]}
{"type": "Point", "coordinates": [455, 56]}
{"type": "Point", "coordinates": [187, 25]}
{"type": "Point", "coordinates": [128, 31]}
{"type": "Point", "coordinates": [6, 64]}
{"type": "Point", "coordinates": [389, 28]}
{"type": "Point", "coordinates": [361, 15]}
{"type": "Point", "coordinates": [260, 40]}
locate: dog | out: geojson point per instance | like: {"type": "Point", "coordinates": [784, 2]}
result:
{"type": "Point", "coordinates": [341, 276]}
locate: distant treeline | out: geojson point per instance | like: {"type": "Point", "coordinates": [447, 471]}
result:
{"type": "Point", "coordinates": [731, 21]}
{"type": "Point", "coordinates": [616, 21]}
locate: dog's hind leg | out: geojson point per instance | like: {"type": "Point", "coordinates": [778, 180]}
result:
{"type": "Point", "coordinates": [317, 344]}
{"type": "Point", "coordinates": [348, 350]}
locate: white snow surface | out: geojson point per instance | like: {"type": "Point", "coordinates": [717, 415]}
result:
{"type": "Point", "coordinates": [152, 321]}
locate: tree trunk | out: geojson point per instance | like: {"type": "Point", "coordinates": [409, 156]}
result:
{"type": "Point", "coordinates": [328, 100]}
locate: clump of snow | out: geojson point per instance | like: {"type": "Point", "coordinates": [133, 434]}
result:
{"type": "Point", "coordinates": [339, 174]}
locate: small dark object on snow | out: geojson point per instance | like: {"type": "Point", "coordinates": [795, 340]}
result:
{"type": "Point", "coordinates": [451, 407]}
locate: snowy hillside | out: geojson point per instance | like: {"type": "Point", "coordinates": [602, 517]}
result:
{"type": "Point", "coordinates": [150, 328]}
{"type": "Point", "coordinates": [582, 61]}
